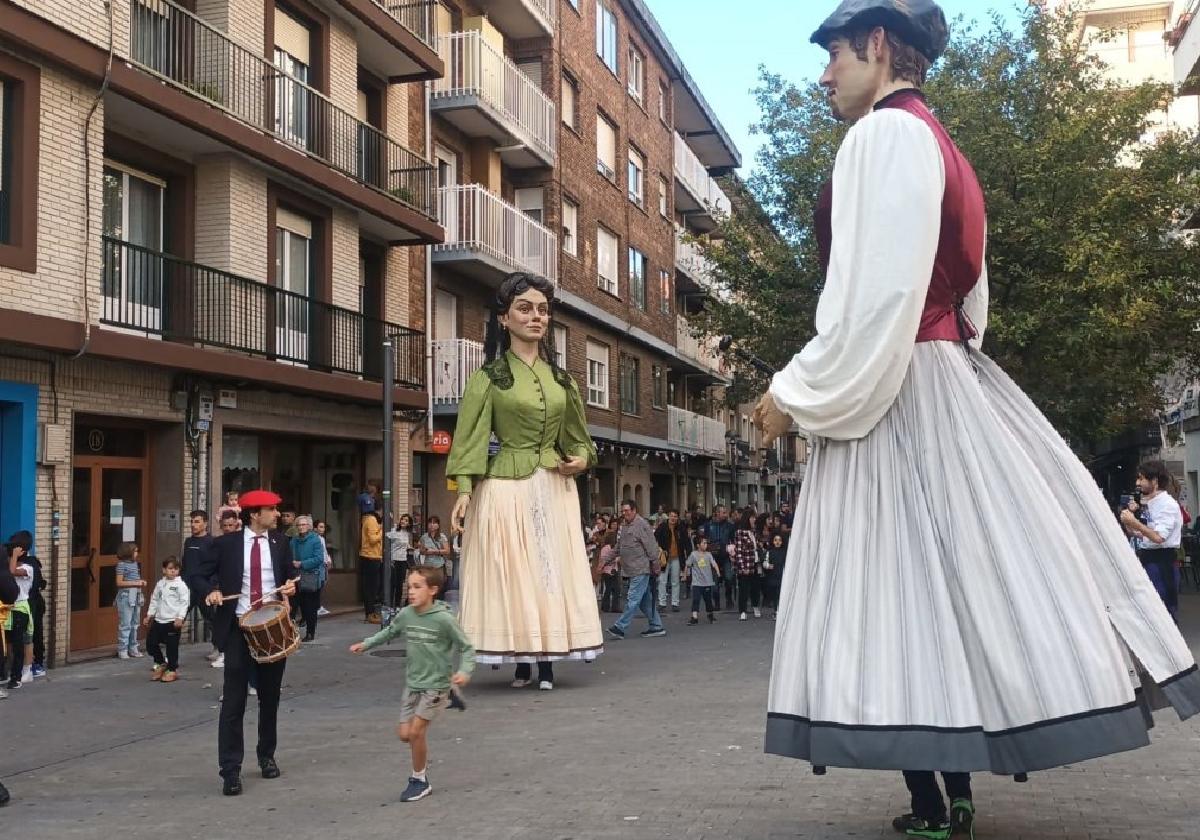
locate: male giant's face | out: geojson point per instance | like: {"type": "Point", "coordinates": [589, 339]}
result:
{"type": "Point", "coordinates": [851, 84]}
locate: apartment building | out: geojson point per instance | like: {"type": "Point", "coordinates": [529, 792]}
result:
{"type": "Point", "coordinates": [204, 242]}
{"type": "Point", "coordinates": [570, 141]}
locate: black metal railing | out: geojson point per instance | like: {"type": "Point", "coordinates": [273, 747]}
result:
{"type": "Point", "coordinates": [180, 47]}
{"type": "Point", "coordinates": [417, 18]}
{"type": "Point", "coordinates": [155, 293]}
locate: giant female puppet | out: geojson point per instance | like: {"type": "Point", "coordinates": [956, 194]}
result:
{"type": "Point", "coordinates": [526, 589]}
{"type": "Point", "coordinates": [933, 617]}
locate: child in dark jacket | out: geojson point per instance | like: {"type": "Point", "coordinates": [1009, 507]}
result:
{"type": "Point", "coordinates": [773, 573]}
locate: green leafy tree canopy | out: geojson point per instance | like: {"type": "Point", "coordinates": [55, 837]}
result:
{"type": "Point", "coordinates": [1095, 286]}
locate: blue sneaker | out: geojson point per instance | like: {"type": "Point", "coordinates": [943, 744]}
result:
{"type": "Point", "coordinates": [416, 790]}
{"type": "Point", "coordinates": [616, 633]}
{"type": "Point", "coordinates": [652, 632]}
{"type": "Point", "coordinates": [39, 671]}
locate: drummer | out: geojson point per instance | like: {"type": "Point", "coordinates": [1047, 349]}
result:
{"type": "Point", "coordinates": [246, 568]}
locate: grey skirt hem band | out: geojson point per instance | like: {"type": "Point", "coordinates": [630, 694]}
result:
{"type": "Point", "coordinates": [1023, 749]}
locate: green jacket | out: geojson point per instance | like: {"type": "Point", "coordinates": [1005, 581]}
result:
{"type": "Point", "coordinates": [537, 421]}
{"type": "Point", "coordinates": [430, 639]}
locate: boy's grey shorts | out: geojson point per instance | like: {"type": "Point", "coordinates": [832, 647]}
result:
{"type": "Point", "coordinates": [426, 705]}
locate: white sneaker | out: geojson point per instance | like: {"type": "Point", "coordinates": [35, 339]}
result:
{"type": "Point", "coordinates": [122, 654]}
{"type": "Point", "coordinates": [741, 617]}
{"type": "Point", "coordinates": [27, 676]}
{"type": "Point", "coordinates": [322, 611]}
{"type": "Point", "coordinates": [253, 691]}
{"type": "Point", "coordinates": [520, 683]}
{"type": "Point", "coordinates": [3, 694]}
{"type": "Point", "coordinates": [546, 685]}
{"type": "Point", "coordinates": [212, 655]}
{"type": "Point", "coordinates": [757, 612]}
{"type": "Point", "coordinates": [219, 662]}
{"type": "Point", "coordinates": [135, 653]}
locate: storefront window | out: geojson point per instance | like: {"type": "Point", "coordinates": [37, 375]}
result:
{"type": "Point", "coordinates": [240, 464]}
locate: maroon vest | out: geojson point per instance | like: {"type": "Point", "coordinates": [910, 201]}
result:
{"type": "Point", "coordinates": [959, 259]}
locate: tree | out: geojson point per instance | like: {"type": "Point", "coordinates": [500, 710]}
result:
{"type": "Point", "coordinates": [1095, 286]}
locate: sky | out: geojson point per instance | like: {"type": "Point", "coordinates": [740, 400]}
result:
{"type": "Point", "coordinates": [723, 42]}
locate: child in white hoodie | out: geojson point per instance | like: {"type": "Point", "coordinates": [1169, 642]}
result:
{"type": "Point", "coordinates": [168, 608]}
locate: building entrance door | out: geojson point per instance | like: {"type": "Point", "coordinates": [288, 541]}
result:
{"type": "Point", "coordinates": [109, 505]}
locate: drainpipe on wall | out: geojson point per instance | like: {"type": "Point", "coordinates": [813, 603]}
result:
{"type": "Point", "coordinates": [428, 91]}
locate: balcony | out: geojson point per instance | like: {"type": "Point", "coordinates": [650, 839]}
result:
{"type": "Point", "coordinates": [396, 39]}
{"type": "Point", "coordinates": [697, 195]}
{"type": "Point", "coordinates": [521, 19]}
{"type": "Point", "coordinates": [488, 238]}
{"type": "Point", "coordinates": [700, 351]}
{"type": "Point", "coordinates": [1185, 39]}
{"type": "Point", "coordinates": [454, 360]}
{"type": "Point", "coordinates": [691, 262]}
{"type": "Point", "coordinates": [154, 295]}
{"type": "Point", "coordinates": [695, 432]}
{"type": "Point", "coordinates": [484, 94]}
{"type": "Point", "coordinates": [181, 49]}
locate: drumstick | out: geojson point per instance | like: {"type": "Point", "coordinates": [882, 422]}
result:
{"type": "Point", "coordinates": [274, 591]}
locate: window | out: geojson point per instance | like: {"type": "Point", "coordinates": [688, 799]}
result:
{"type": "Point", "coordinates": [637, 177]}
{"type": "Point", "coordinates": [664, 292]}
{"type": "Point", "coordinates": [606, 260]}
{"type": "Point", "coordinates": [20, 95]}
{"type": "Point", "coordinates": [606, 35]}
{"type": "Point", "coordinates": [659, 381]}
{"type": "Point", "coordinates": [570, 227]}
{"type": "Point", "coordinates": [629, 383]}
{"type": "Point", "coordinates": [293, 277]}
{"type": "Point", "coordinates": [574, 4]}
{"type": "Point", "coordinates": [132, 281]}
{"type": "Point", "coordinates": [637, 73]}
{"type": "Point", "coordinates": [663, 93]}
{"type": "Point", "coordinates": [560, 346]}
{"type": "Point", "coordinates": [663, 209]}
{"type": "Point", "coordinates": [606, 148]}
{"type": "Point", "coordinates": [292, 57]}
{"type": "Point", "coordinates": [637, 278]}
{"type": "Point", "coordinates": [570, 98]}
{"type": "Point", "coordinates": [597, 374]}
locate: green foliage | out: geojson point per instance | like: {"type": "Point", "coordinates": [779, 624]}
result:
{"type": "Point", "coordinates": [1094, 291]}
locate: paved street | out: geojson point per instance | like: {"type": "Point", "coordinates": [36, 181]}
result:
{"type": "Point", "coordinates": [660, 738]}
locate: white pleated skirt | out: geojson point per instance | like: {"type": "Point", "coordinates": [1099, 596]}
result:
{"type": "Point", "coordinates": [959, 596]}
{"type": "Point", "coordinates": [525, 585]}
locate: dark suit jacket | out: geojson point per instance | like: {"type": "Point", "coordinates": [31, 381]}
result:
{"type": "Point", "coordinates": [224, 570]}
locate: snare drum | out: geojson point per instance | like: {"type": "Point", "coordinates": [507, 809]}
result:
{"type": "Point", "coordinates": [270, 633]}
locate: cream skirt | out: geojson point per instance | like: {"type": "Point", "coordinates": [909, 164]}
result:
{"type": "Point", "coordinates": [526, 590]}
{"type": "Point", "coordinates": [959, 596]}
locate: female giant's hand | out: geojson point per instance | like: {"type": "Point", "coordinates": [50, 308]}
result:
{"type": "Point", "coordinates": [459, 513]}
{"type": "Point", "coordinates": [572, 466]}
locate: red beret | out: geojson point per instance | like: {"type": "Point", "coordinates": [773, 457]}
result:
{"type": "Point", "coordinates": [258, 498]}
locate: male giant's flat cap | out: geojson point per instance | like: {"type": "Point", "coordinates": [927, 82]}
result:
{"type": "Point", "coordinates": [919, 23]}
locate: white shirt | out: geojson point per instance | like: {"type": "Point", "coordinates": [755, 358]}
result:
{"type": "Point", "coordinates": [24, 584]}
{"type": "Point", "coordinates": [1164, 517]}
{"type": "Point", "coordinates": [268, 570]}
{"type": "Point", "coordinates": [888, 185]}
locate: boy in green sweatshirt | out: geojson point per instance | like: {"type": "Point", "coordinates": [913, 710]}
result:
{"type": "Point", "coordinates": [431, 635]}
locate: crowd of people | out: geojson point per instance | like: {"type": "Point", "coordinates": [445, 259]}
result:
{"type": "Point", "coordinates": [736, 560]}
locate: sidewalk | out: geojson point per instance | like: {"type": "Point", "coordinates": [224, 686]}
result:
{"type": "Point", "coordinates": [660, 738]}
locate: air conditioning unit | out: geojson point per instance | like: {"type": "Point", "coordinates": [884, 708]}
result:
{"type": "Point", "coordinates": [55, 439]}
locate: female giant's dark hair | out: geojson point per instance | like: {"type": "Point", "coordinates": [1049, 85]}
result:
{"type": "Point", "coordinates": [496, 340]}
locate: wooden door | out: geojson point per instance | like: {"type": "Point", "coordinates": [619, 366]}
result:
{"type": "Point", "coordinates": [110, 505]}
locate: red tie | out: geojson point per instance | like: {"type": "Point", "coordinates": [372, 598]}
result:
{"type": "Point", "coordinates": [255, 573]}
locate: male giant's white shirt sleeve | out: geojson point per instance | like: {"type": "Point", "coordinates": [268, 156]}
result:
{"type": "Point", "coordinates": [888, 183]}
